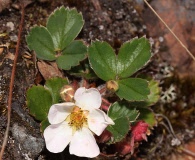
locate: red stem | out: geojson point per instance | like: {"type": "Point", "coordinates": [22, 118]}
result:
{"type": "Point", "coordinates": [102, 90]}
{"type": "Point", "coordinates": [106, 101]}
{"type": "Point", "coordinates": [12, 84]}
{"type": "Point", "coordinates": [104, 107]}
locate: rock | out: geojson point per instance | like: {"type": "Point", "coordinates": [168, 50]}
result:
{"type": "Point", "coordinates": [14, 38]}
{"type": "Point", "coordinates": [10, 25]}
{"type": "Point", "coordinates": [30, 145]}
{"type": "Point", "coordinates": [178, 16]}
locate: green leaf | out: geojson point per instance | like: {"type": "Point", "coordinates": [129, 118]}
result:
{"type": "Point", "coordinates": [153, 97]}
{"type": "Point", "coordinates": [72, 55]}
{"type": "Point", "coordinates": [64, 25]}
{"type": "Point", "coordinates": [83, 71]}
{"type": "Point", "coordinates": [54, 86]}
{"type": "Point", "coordinates": [148, 116]}
{"type": "Point", "coordinates": [133, 56]}
{"type": "Point", "coordinates": [133, 89]}
{"type": "Point", "coordinates": [39, 40]}
{"type": "Point", "coordinates": [44, 124]}
{"type": "Point", "coordinates": [119, 130]}
{"type": "Point", "coordinates": [39, 101]}
{"type": "Point", "coordinates": [122, 109]}
{"type": "Point", "coordinates": [103, 60]}
{"type": "Point", "coordinates": [122, 115]}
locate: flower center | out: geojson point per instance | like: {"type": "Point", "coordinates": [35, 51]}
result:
{"type": "Point", "coordinates": [78, 118]}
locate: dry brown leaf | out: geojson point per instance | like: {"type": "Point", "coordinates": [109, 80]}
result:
{"type": "Point", "coordinates": [10, 56]}
{"type": "Point", "coordinates": [49, 70]}
{"type": "Point", "coordinates": [1, 50]}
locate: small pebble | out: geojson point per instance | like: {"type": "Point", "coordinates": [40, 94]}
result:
{"type": "Point", "coordinates": [14, 38]}
{"type": "Point", "coordinates": [10, 25]}
{"type": "Point", "coordinates": [161, 39]}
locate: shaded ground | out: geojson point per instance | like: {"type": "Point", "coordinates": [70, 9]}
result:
{"type": "Point", "coordinates": [115, 22]}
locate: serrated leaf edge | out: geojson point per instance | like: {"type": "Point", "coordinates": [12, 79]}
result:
{"type": "Point", "coordinates": [29, 44]}
{"type": "Point", "coordinates": [113, 140]}
{"type": "Point", "coordinates": [143, 37]}
{"type": "Point", "coordinates": [92, 42]}
{"type": "Point", "coordinates": [68, 9]}
{"type": "Point", "coordinates": [144, 65]}
{"type": "Point", "coordinates": [135, 100]}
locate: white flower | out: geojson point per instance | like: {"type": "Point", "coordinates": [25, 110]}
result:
{"type": "Point", "coordinates": [75, 123]}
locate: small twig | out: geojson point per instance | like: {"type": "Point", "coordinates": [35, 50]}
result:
{"type": "Point", "coordinates": [12, 84]}
{"type": "Point", "coordinates": [191, 55]}
{"type": "Point", "coordinates": [96, 4]}
{"type": "Point", "coordinates": [107, 155]}
{"type": "Point", "coordinates": [169, 124]}
{"type": "Point", "coordinates": [192, 154]}
{"type": "Point", "coordinates": [170, 129]}
{"type": "Point", "coordinates": [153, 149]}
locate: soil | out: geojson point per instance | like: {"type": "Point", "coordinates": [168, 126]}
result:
{"type": "Point", "coordinates": [112, 21]}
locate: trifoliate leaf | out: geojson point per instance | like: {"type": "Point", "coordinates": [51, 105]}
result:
{"type": "Point", "coordinates": [133, 55]}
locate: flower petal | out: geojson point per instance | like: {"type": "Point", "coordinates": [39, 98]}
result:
{"type": "Point", "coordinates": [83, 144]}
{"type": "Point", "coordinates": [59, 112]}
{"type": "Point", "coordinates": [98, 121]}
{"type": "Point", "coordinates": [88, 99]}
{"type": "Point", "coordinates": [57, 137]}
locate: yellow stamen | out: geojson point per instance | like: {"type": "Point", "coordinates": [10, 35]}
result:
{"type": "Point", "coordinates": [77, 119]}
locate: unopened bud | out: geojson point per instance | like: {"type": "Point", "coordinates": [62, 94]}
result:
{"type": "Point", "coordinates": [112, 85]}
{"type": "Point", "coordinates": [67, 93]}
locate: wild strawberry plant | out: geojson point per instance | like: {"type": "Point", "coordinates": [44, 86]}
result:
{"type": "Point", "coordinates": [69, 113]}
